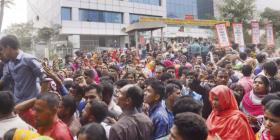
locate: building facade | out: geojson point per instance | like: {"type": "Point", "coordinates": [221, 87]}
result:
{"type": "Point", "coordinates": [205, 9]}
{"type": "Point", "coordinates": [90, 24]}
{"type": "Point", "coordinates": [181, 8]}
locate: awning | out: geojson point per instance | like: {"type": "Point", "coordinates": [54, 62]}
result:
{"type": "Point", "coordinates": [145, 26]}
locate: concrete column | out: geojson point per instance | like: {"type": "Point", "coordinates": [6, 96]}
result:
{"type": "Point", "coordinates": [161, 35]}
{"type": "Point", "coordinates": [126, 18]}
{"type": "Point", "coordinates": [136, 39]}
{"type": "Point", "coordinates": [75, 14]}
{"type": "Point", "coordinates": [75, 40]}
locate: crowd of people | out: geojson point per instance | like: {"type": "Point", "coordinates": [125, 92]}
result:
{"type": "Point", "coordinates": [187, 90]}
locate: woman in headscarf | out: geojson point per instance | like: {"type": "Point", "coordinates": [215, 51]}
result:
{"type": "Point", "coordinates": [225, 119]}
{"type": "Point", "coordinates": [251, 102]}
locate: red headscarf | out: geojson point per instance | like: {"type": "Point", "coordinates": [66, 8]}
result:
{"type": "Point", "coordinates": [229, 123]}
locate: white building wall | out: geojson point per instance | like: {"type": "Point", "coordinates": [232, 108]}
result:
{"type": "Point", "coordinates": [43, 13]}
{"type": "Point", "coordinates": [49, 12]}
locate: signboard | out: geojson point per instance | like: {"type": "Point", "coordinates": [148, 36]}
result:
{"type": "Point", "coordinates": [255, 32]}
{"type": "Point", "coordinates": [222, 34]}
{"type": "Point", "coordinates": [238, 34]}
{"type": "Point", "coordinates": [172, 21]}
{"type": "Point", "coordinates": [269, 35]}
{"type": "Point", "coordinates": [189, 17]}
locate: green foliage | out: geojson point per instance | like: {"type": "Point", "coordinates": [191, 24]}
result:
{"type": "Point", "coordinates": [238, 11]}
{"type": "Point", "coordinates": [45, 34]}
{"type": "Point", "coordinates": [274, 17]}
{"type": "Point", "coordinates": [23, 31]}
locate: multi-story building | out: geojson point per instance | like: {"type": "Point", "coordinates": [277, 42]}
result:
{"type": "Point", "coordinates": [205, 9]}
{"type": "Point", "coordinates": [181, 8]}
{"type": "Point", "coordinates": [93, 23]}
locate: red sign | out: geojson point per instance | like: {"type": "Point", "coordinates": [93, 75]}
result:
{"type": "Point", "coordinates": [189, 17]}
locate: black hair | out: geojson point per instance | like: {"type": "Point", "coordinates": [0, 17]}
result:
{"type": "Point", "coordinates": [51, 98]}
{"type": "Point", "coordinates": [93, 131]}
{"type": "Point", "coordinates": [89, 73]}
{"type": "Point", "coordinates": [79, 89]}
{"type": "Point", "coordinates": [170, 88]}
{"type": "Point", "coordinates": [265, 81]}
{"type": "Point", "coordinates": [165, 76]}
{"type": "Point", "coordinates": [10, 41]}
{"type": "Point", "coordinates": [68, 84]}
{"type": "Point", "coordinates": [247, 70]}
{"type": "Point", "coordinates": [99, 110]}
{"type": "Point", "coordinates": [191, 126]}
{"type": "Point", "coordinates": [158, 87]}
{"type": "Point", "coordinates": [108, 78]}
{"type": "Point", "coordinates": [243, 55]}
{"type": "Point", "coordinates": [270, 68]}
{"type": "Point", "coordinates": [107, 89]}
{"type": "Point", "coordinates": [121, 83]}
{"type": "Point", "coordinates": [186, 104]}
{"type": "Point", "coordinates": [273, 107]}
{"type": "Point", "coordinates": [7, 102]}
{"type": "Point", "coordinates": [260, 57]}
{"type": "Point", "coordinates": [96, 87]}
{"type": "Point", "coordinates": [69, 102]}
{"type": "Point", "coordinates": [136, 94]}
{"type": "Point", "coordinates": [10, 134]}
{"type": "Point", "coordinates": [176, 82]}
{"type": "Point", "coordinates": [269, 97]}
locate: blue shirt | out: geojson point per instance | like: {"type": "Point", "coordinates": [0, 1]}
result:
{"type": "Point", "coordinates": [25, 72]}
{"type": "Point", "coordinates": [160, 119]}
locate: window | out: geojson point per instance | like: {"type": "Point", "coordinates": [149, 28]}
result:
{"type": "Point", "coordinates": [100, 16]}
{"type": "Point", "coordinates": [150, 2]}
{"type": "Point", "coordinates": [66, 13]}
{"type": "Point", "coordinates": [180, 8]}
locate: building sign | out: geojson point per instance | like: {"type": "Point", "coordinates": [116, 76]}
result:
{"type": "Point", "coordinates": [238, 34]}
{"type": "Point", "coordinates": [173, 21]}
{"type": "Point", "coordinates": [189, 17]}
{"type": "Point", "coordinates": [269, 35]}
{"type": "Point", "coordinates": [255, 32]}
{"type": "Point", "coordinates": [222, 34]}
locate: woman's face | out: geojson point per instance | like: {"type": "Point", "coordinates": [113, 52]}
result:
{"type": "Point", "coordinates": [272, 123]}
{"type": "Point", "coordinates": [216, 103]}
{"type": "Point", "coordinates": [259, 87]}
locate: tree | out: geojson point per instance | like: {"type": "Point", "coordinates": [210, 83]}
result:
{"type": "Point", "coordinates": [238, 11]}
{"type": "Point", "coordinates": [273, 16]}
{"type": "Point", "coordinates": [24, 33]}
{"type": "Point", "coordinates": [4, 3]}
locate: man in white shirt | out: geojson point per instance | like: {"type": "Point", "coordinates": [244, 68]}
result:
{"type": "Point", "coordinates": [8, 119]}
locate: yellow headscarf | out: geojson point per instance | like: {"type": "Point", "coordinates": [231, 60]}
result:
{"type": "Point", "coordinates": [22, 134]}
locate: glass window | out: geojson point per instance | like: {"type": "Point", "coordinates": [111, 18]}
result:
{"type": "Point", "coordinates": [180, 8]}
{"type": "Point", "coordinates": [66, 13]}
{"type": "Point", "coordinates": [150, 2]}
{"type": "Point", "coordinates": [100, 16]}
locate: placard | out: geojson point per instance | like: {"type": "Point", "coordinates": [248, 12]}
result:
{"type": "Point", "coordinates": [238, 34]}
{"type": "Point", "coordinates": [255, 32]}
{"type": "Point", "coordinates": [269, 35]}
{"type": "Point", "coordinates": [222, 35]}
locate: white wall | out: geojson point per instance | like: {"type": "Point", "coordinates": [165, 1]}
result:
{"type": "Point", "coordinates": [49, 13]}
